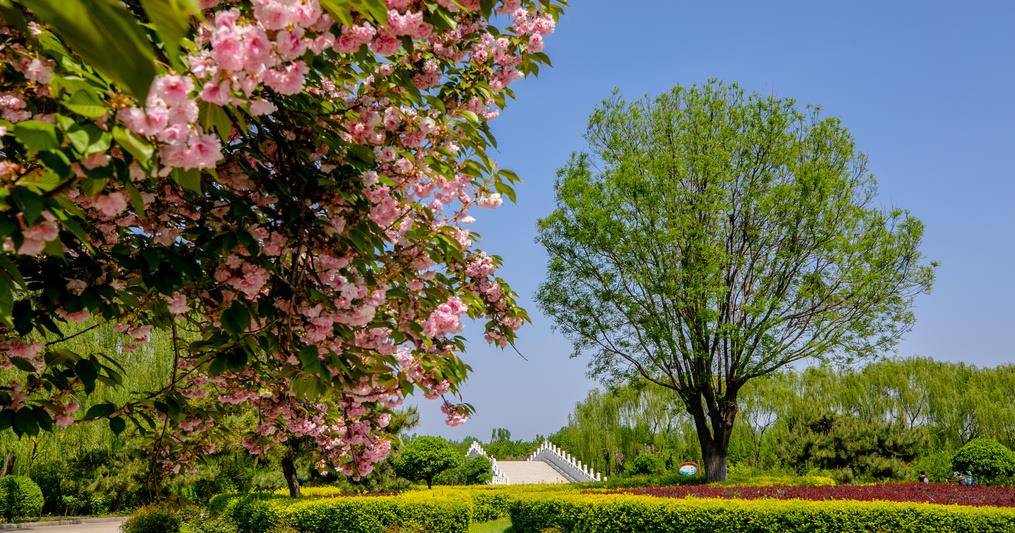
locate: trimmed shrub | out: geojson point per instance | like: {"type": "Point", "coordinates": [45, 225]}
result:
{"type": "Point", "coordinates": [646, 464]}
{"type": "Point", "coordinates": [20, 497]}
{"type": "Point", "coordinates": [487, 506]}
{"type": "Point", "coordinates": [988, 460]}
{"type": "Point", "coordinates": [49, 476]}
{"type": "Point", "coordinates": [411, 512]}
{"type": "Point", "coordinates": [782, 481]}
{"type": "Point", "coordinates": [619, 482]}
{"type": "Point", "coordinates": [207, 524]}
{"type": "Point", "coordinates": [609, 514]}
{"type": "Point", "coordinates": [152, 520]}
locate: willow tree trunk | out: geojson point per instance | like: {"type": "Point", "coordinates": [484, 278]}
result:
{"type": "Point", "coordinates": [8, 465]}
{"type": "Point", "coordinates": [289, 471]}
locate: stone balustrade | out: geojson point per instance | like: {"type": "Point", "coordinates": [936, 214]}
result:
{"type": "Point", "coordinates": [476, 449]}
{"type": "Point", "coordinates": [563, 462]}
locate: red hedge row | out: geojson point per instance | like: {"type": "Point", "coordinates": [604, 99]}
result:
{"type": "Point", "coordinates": [895, 492]}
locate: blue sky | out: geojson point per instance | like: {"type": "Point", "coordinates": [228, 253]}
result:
{"type": "Point", "coordinates": [926, 87]}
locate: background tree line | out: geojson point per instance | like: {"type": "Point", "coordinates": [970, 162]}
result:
{"type": "Point", "coordinates": [887, 420]}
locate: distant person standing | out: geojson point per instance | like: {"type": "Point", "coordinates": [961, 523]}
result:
{"type": "Point", "coordinates": [964, 479]}
{"type": "Point", "coordinates": [923, 477]}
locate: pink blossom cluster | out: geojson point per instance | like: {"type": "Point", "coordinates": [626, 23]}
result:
{"type": "Point", "coordinates": [170, 115]}
{"type": "Point", "coordinates": [37, 236]}
{"type": "Point", "coordinates": [447, 318]}
{"type": "Point", "coordinates": [20, 349]}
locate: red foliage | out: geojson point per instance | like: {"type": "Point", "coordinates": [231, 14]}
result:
{"type": "Point", "coordinates": [895, 492]}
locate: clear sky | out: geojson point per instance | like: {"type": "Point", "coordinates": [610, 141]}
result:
{"type": "Point", "coordinates": [926, 87]}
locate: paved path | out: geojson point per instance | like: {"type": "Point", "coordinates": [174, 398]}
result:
{"type": "Point", "coordinates": [89, 527]}
{"type": "Point", "coordinates": [519, 472]}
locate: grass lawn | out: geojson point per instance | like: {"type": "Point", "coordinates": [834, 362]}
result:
{"type": "Point", "coordinates": [502, 525]}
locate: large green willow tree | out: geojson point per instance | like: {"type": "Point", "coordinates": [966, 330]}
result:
{"type": "Point", "coordinates": [708, 237]}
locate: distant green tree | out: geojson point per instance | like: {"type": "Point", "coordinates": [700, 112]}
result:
{"type": "Point", "coordinates": [500, 435]}
{"type": "Point", "coordinates": [475, 470]}
{"type": "Point", "coordinates": [850, 447]}
{"type": "Point", "coordinates": [709, 237]}
{"type": "Point", "coordinates": [422, 458]}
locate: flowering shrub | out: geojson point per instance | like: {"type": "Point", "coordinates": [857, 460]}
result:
{"type": "Point", "coordinates": [896, 492]}
{"type": "Point", "coordinates": [285, 185]}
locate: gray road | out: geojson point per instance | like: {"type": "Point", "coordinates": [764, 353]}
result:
{"type": "Point", "coordinates": [92, 527]}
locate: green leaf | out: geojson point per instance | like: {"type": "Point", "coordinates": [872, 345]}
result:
{"type": "Point", "coordinates": [468, 115]}
{"type": "Point", "coordinates": [10, 15]}
{"type": "Point", "coordinates": [23, 364]}
{"type": "Point", "coordinates": [506, 190]}
{"type": "Point", "coordinates": [86, 104]}
{"type": "Point", "coordinates": [190, 180]}
{"type": "Point", "coordinates": [100, 410]}
{"type": "Point", "coordinates": [214, 117]}
{"type": "Point", "coordinates": [236, 319]}
{"type": "Point", "coordinates": [340, 9]}
{"type": "Point", "coordinates": [135, 198]}
{"type": "Point", "coordinates": [306, 388]}
{"type": "Point", "coordinates": [171, 19]}
{"type": "Point", "coordinates": [11, 270]}
{"type": "Point", "coordinates": [87, 371]}
{"type": "Point", "coordinates": [36, 135]}
{"type": "Point", "coordinates": [87, 138]}
{"type": "Point", "coordinates": [31, 204]}
{"type": "Point", "coordinates": [137, 147]}
{"type": "Point", "coordinates": [117, 425]}
{"type": "Point", "coordinates": [106, 36]}
{"type": "Point", "coordinates": [25, 423]}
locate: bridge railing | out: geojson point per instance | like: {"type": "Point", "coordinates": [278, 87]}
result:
{"type": "Point", "coordinates": [499, 478]}
{"type": "Point", "coordinates": [564, 463]}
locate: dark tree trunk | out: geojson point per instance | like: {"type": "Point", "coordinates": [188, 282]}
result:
{"type": "Point", "coordinates": [289, 471]}
{"type": "Point", "coordinates": [8, 465]}
{"type": "Point", "coordinates": [714, 459]}
{"type": "Point", "coordinates": [714, 430]}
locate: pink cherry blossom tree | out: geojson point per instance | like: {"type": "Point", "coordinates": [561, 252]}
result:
{"type": "Point", "coordinates": [285, 185]}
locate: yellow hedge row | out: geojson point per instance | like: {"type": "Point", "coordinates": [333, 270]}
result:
{"type": "Point", "coordinates": [410, 512]}
{"type": "Point", "coordinates": [571, 508]}
{"type": "Point", "coordinates": [601, 513]}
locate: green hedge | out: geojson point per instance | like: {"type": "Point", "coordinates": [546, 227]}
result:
{"type": "Point", "coordinates": [989, 461]}
{"type": "Point", "coordinates": [20, 497]}
{"type": "Point", "coordinates": [412, 512]}
{"type": "Point", "coordinates": [153, 520]}
{"type": "Point", "coordinates": [602, 514]}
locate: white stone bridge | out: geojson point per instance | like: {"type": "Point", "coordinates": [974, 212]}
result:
{"type": "Point", "coordinates": [548, 464]}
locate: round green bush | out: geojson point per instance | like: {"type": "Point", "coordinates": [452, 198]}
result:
{"type": "Point", "coordinates": [152, 520]}
{"type": "Point", "coordinates": [646, 463]}
{"type": "Point", "coordinates": [20, 497]}
{"type": "Point", "coordinates": [49, 476]}
{"type": "Point", "coordinates": [422, 458]}
{"type": "Point", "coordinates": [988, 460]}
